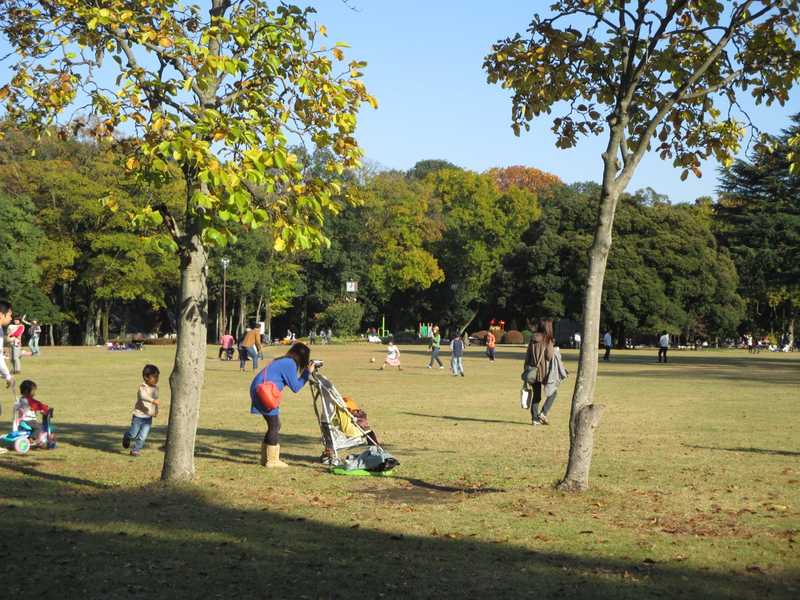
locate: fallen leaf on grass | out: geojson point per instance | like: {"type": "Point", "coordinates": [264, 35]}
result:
{"type": "Point", "coordinates": [756, 569]}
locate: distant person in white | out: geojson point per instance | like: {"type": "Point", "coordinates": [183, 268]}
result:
{"type": "Point", "coordinates": [5, 319]}
{"type": "Point", "coordinates": [663, 346]}
{"type": "Point", "coordinates": [608, 342]}
{"type": "Point", "coordinates": [577, 339]}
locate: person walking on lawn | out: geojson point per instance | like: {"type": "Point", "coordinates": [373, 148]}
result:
{"type": "Point", "coordinates": [544, 370]}
{"type": "Point", "coordinates": [457, 356]}
{"type": "Point", "coordinates": [435, 347]}
{"type": "Point", "coordinates": [6, 316]}
{"type": "Point", "coordinates": [663, 346]}
{"type": "Point", "coordinates": [491, 344]}
{"type": "Point", "coordinates": [34, 333]}
{"type": "Point", "coordinates": [252, 347]}
{"type": "Point", "coordinates": [608, 343]}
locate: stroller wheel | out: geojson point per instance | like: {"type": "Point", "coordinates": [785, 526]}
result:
{"type": "Point", "coordinates": [22, 445]}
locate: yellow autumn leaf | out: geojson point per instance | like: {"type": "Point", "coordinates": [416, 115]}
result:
{"type": "Point", "coordinates": [165, 42]}
{"type": "Point", "coordinates": [323, 30]}
{"type": "Point", "coordinates": [337, 52]}
{"type": "Point", "coordinates": [131, 163]}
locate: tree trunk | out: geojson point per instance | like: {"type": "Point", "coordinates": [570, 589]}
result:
{"type": "Point", "coordinates": [269, 317]}
{"type": "Point", "coordinates": [468, 323]}
{"type": "Point", "coordinates": [52, 339]}
{"type": "Point", "coordinates": [64, 335]}
{"type": "Point", "coordinates": [258, 309]}
{"type": "Point", "coordinates": [585, 416]}
{"type": "Point", "coordinates": [791, 333]}
{"type": "Point", "coordinates": [91, 325]}
{"type": "Point", "coordinates": [105, 318]}
{"type": "Point", "coordinates": [186, 381]}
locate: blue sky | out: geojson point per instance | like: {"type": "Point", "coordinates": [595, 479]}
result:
{"type": "Point", "coordinates": [425, 67]}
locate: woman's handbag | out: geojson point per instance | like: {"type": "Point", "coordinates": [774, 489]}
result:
{"type": "Point", "coordinates": [268, 394]}
{"type": "Point", "coordinates": [525, 395]}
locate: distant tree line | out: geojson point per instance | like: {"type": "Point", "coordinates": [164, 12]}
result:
{"type": "Point", "coordinates": [437, 243]}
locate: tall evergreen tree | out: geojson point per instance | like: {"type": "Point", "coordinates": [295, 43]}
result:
{"type": "Point", "coordinates": [758, 220]}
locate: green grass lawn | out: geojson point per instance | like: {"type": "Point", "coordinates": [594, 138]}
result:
{"type": "Point", "coordinates": [695, 486]}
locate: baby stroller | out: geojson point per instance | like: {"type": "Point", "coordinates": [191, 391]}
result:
{"type": "Point", "coordinates": [343, 426]}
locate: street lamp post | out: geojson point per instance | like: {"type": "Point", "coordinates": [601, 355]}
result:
{"type": "Point", "coordinates": [225, 262]}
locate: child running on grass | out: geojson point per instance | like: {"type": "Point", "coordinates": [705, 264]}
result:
{"type": "Point", "coordinates": [143, 412]}
{"type": "Point", "coordinates": [392, 356]}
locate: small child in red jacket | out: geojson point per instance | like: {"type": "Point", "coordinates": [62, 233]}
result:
{"type": "Point", "coordinates": [26, 407]}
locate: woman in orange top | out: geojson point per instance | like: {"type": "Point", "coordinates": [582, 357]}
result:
{"type": "Point", "coordinates": [491, 342]}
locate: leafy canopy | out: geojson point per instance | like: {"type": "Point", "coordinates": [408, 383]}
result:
{"type": "Point", "coordinates": [214, 97]}
{"type": "Point", "coordinates": [758, 218]}
{"type": "Point", "coordinates": [665, 74]}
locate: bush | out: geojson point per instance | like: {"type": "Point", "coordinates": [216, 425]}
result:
{"type": "Point", "coordinates": [160, 342]}
{"type": "Point", "coordinates": [526, 336]}
{"type": "Point", "coordinates": [512, 337]}
{"type": "Point", "coordinates": [481, 335]}
{"type": "Point", "coordinates": [407, 337]}
{"type": "Point", "coordinates": [344, 317]}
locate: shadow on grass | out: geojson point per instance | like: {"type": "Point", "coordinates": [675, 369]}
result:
{"type": "Point", "coordinates": [229, 445]}
{"type": "Point", "coordinates": [158, 542]}
{"type": "Point", "coordinates": [473, 419]}
{"type": "Point", "coordinates": [30, 470]}
{"type": "Point", "coordinates": [766, 451]}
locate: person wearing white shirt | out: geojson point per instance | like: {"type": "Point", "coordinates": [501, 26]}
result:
{"type": "Point", "coordinates": [577, 339]}
{"type": "Point", "coordinates": [663, 346]}
{"type": "Point", "coordinates": [608, 342]}
{"type": "Point", "coordinates": [5, 319]}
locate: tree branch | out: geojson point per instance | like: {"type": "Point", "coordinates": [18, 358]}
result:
{"type": "Point", "coordinates": [712, 88]}
{"type": "Point", "coordinates": [678, 94]}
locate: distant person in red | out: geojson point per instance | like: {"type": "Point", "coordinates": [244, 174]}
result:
{"type": "Point", "coordinates": [226, 344]}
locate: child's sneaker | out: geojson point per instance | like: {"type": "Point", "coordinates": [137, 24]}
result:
{"type": "Point", "coordinates": [126, 441]}
{"type": "Point", "coordinates": [135, 453]}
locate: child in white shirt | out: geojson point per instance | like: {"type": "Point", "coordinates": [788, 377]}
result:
{"type": "Point", "coordinates": [392, 356]}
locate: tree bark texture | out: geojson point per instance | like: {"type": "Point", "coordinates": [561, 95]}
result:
{"type": "Point", "coordinates": [91, 326]}
{"type": "Point", "coordinates": [585, 416]}
{"type": "Point", "coordinates": [186, 380]}
{"type": "Point", "coordinates": [580, 456]}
